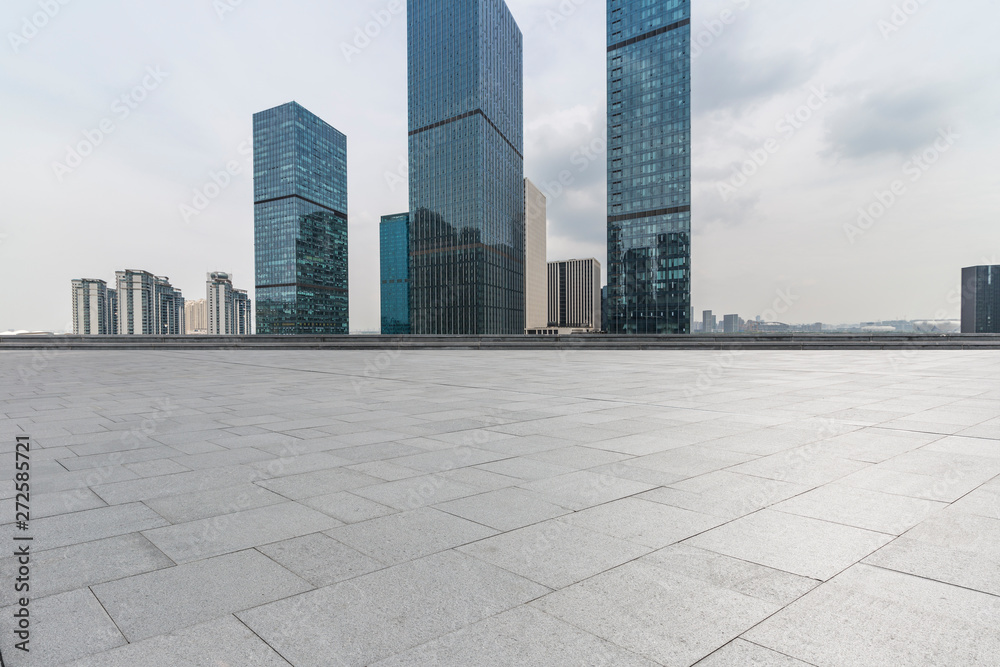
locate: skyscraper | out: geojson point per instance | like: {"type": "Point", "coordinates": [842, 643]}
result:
{"type": "Point", "coordinates": [466, 167]}
{"type": "Point", "coordinates": [394, 255]}
{"type": "Point", "coordinates": [575, 294]}
{"type": "Point", "coordinates": [92, 308]}
{"type": "Point", "coordinates": [535, 265]}
{"type": "Point", "coordinates": [649, 166]}
{"type": "Point", "coordinates": [300, 223]}
{"type": "Point", "coordinates": [981, 299]}
{"type": "Point", "coordinates": [148, 305]}
{"type": "Point", "coordinates": [227, 309]}
{"type": "Point", "coordinates": [195, 316]}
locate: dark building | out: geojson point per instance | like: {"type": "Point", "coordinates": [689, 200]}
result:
{"type": "Point", "coordinates": [394, 255]}
{"type": "Point", "coordinates": [649, 166]}
{"type": "Point", "coordinates": [466, 175]}
{"type": "Point", "coordinates": [981, 299]}
{"type": "Point", "coordinates": [300, 223]}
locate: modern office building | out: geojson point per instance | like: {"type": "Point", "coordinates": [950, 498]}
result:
{"type": "Point", "coordinates": [300, 223]}
{"type": "Point", "coordinates": [148, 305]}
{"type": "Point", "coordinates": [575, 294]}
{"type": "Point", "coordinates": [649, 166]}
{"type": "Point", "coordinates": [195, 316]}
{"type": "Point", "coordinates": [227, 309]}
{"type": "Point", "coordinates": [732, 324]}
{"type": "Point", "coordinates": [394, 255]}
{"type": "Point", "coordinates": [466, 167]}
{"type": "Point", "coordinates": [92, 308]}
{"type": "Point", "coordinates": [981, 299]}
{"type": "Point", "coordinates": [536, 288]}
{"type": "Point", "coordinates": [709, 323]}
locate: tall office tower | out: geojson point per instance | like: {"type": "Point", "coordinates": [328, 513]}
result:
{"type": "Point", "coordinates": [649, 166]}
{"type": "Point", "coordinates": [536, 289]}
{"type": "Point", "coordinates": [112, 311]}
{"type": "Point", "coordinates": [300, 223]}
{"type": "Point", "coordinates": [91, 308]}
{"type": "Point", "coordinates": [195, 316]}
{"type": "Point", "coordinates": [575, 294]}
{"type": "Point", "coordinates": [394, 255]}
{"type": "Point", "coordinates": [466, 167]}
{"type": "Point", "coordinates": [709, 322]}
{"type": "Point", "coordinates": [981, 299]}
{"type": "Point", "coordinates": [731, 324]}
{"type": "Point", "coordinates": [227, 310]}
{"type": "Point", "coordinates": [148, 305]}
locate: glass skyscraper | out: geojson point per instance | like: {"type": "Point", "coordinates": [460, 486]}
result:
{"type": "Point", "coordinates": [649, 166]}
{"type": "Point", "coordinates": [466, 167]}
{"type": "Point", "coordinates": [394, 251]}
{"type": "Point", "coordinates": [981, 299]}
{"type": "Point", "coordinates": [300, 223]}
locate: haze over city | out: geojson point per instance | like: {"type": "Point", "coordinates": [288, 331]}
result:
{"type": "Point", "coordinates": [826, 109]}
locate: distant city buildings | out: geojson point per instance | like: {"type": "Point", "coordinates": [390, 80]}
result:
{"type": "Point", "coordinates": [466, 168]}
{"type": "Point", "coordinates": [227, 308]}
{"type": "Point", "coordinates": [981, 299]}
{"type": "Point", "coordinates": [300, 223]}
{"type": "Point", "coordinates": [195, 317]}
{"type": "Point", "coordinates": [575, 294]}
{"type": "Point", "coordinates": [709, 323]}
{"type": "Point", "coordinates": [732, 324]}
{"type": "Point", "coordinates": [94, 308]}
{"type": "Point", "coordinates": [649, 166]}
{"type": "Point", "coordinates": [148, 305]}
{"type": "Point", "coordinates": [394, 268]}
{"type": "Point", "coordinates": [536, 289]}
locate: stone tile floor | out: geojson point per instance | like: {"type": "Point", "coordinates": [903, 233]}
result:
{"type": "Point", "coordinates": [506, 508]}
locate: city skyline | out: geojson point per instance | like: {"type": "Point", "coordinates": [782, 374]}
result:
{"type": "Point", "coordinates": [794, 226]}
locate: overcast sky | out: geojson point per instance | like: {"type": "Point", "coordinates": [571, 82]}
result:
{"type": "Point", "coordinates": [177, 82]}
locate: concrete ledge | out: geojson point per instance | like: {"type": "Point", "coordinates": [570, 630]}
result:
{"type": "Point", "coordinates": [574, 342]}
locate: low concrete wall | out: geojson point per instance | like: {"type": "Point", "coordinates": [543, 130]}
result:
{"type": "Point", "coordinates": [575, 342]}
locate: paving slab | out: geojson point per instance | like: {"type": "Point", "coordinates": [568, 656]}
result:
{"type": "Point", "coordinates": [643, 522]}
{"type": "Point", "coordinates": [213, 502]}
{"type": "Point", "coordinates": [86, 526]}
{"type": "Point", "coordinates": [503, 509]}
{"type": "Point", "coordinates": [861, 508]}
{"type": "Point", "coordinates": [319, 559]}
{"type": "Point", "coordinates": [742, 653]}
{"type": "Point", "coordinates": [160, 602]}
{"type": "Point", "coordinates": [347, 507]}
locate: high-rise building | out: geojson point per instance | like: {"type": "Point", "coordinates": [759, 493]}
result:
{"type": "Point", "coordinates": [466, 180]}
{"type": "Point", "coordinates": [394, 255]}
{"type": "Point", "coordinates": [732, 324]}
{"type": "Point", "coordinates": [148, 305]}
{"type": "Point", "coordinates": [575, 294]}
{"type": "Point", "coordinates": [112, 311]}
{"type": "Point", "coordinates": [92, 308]}
{"type": "Point", "coordinates": [300, 223]}
{"type": "Point", "coordinates": [709, 322]}
{"type": "Point", "coordinates": [981, 299]}
{"type": "Point", "coordinates": [227, 309]}
{"type": "Point", "coordinates": [536, 289]}
{"type": "Point", "coordinates": [649, 166]}
{"type": "Point", "coordinates": [195, 316]}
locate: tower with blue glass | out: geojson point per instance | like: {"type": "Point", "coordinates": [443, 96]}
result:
{"type": "Point", "coordinates": [649, 166]}
{"type": "Point", "coordinates": [466, 167]}
{"type": "Point", "coordinates": [394, 251]}
{"type": "Point", "coordinates": [300, 223]}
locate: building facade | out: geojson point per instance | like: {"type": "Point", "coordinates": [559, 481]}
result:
{"type": "Point", "coordinates": [195, 316]}
{"type": "Point", "coordinates": [536, 289]}
{"type": "Point", "coordinates": [709, 323]}
{"type": "Point", "coordinates": [394, 270]}
{"type": "Point", "coordinates": [649, 166]}
{"type": "Point", "coordinates": [300, 223]}
{"type": "Point", "coordinates": [732, 324]}
{"type": "Point", "coordinates": [466, 167]}
{"type": "Point", "coordinates": [227, 310]}
{"type": "Point", "coordinates": [148, 305]}
{"type": "Point", "coordinates": [93, 308]}
{"type": "Point", "coordinates": [575, 294]}
{"type": "Point", "coordinates": [981, 299]}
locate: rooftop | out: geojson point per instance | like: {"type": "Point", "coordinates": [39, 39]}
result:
{"type": "Point", "coordinates": [563, 507]}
